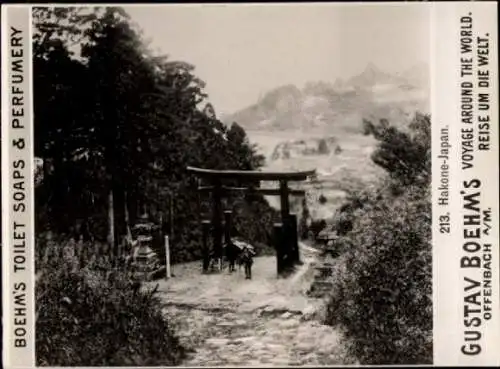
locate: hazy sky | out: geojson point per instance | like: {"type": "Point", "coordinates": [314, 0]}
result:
{"type": "Point", "coordinates": [242, 51]}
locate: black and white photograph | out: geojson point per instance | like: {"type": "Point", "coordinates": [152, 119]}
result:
{"type": "Point", "coordinates": [232, 185]}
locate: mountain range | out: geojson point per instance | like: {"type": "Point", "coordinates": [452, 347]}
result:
{"type": "Point", "coordinates": [339, 107]}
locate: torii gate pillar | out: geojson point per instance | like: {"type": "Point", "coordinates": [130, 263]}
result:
{"type": "Point", "coordinates": [216, 218]}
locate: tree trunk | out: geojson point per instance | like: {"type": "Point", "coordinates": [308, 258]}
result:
{"type": "Point", "coordinates": [111, 220]}
{"type": "Point", "coordinates": [57, 195]}
{"type": "Point", "coordinates": [171, 215]}
{"type": "Point", "coordinates": [127, 216]}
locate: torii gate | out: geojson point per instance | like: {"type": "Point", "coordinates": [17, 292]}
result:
{"type": "Point", "coordinates": [286, 239]}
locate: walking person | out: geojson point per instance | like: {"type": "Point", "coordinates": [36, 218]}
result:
{"type": "Point", "coordinates": [247, 261]}
{"type": "Point", "coordinates": [231, 256]}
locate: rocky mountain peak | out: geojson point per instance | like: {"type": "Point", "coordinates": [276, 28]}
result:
{"type": "Point", "coordinates": [336, 106]}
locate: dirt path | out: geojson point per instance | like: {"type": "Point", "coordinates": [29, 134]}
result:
{"type": "Point", "coordinates": [227, 320]}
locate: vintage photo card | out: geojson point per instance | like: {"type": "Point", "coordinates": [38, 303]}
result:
{"type": "Point", "coordinates": [250, 185]}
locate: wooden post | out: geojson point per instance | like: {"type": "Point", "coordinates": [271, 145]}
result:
{"type": "Point", "coordinates": [294, 238]}
{"type": "Point", "coordinates": [287, 243]}
{"type": "Point", "coordinates": [171, 215]}
{"type": "Point", "coordinates": [278, 244]}
{"type": "Point", "coordinates": [167, 258]}
{"type": "Point", "coordinates": [161, 223]}
{"type": "Point", "coordinates": [227, 237]}
{"type": "Point", "coordinates": [217, 221]}
{"type": "Point", "coordinates": [111, 222]}
{"type": "Point", "coordinates": [205, 224]}
{"type": "Point", "coordinates": [285, 213]}
{"type": "Point", "coordinates": [227, 226]}
{"type": "Point", "coordinates": [284, 201]}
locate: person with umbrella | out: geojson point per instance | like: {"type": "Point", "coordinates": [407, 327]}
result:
{"type": "Point", "coordinates": [247, 258]}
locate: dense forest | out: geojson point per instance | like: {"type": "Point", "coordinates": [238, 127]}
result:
{"type": "Point", "coordinates": [116, 126]}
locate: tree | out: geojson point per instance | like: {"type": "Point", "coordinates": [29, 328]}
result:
{"type": "Point", "coordinates": [116, 127]}
{"type": "Point", "coordinates": [367, 127]}
{"type": "Point", "coordinates": [59, 106]}
{"type": "Point", "coordinates": [405, 155]}
{"type": "Point", "coordinates": [243, 150]}
{"type": "Point", "coordinates": [323, 147]}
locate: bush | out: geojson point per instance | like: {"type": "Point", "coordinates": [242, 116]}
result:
{"type": "Point", "coordinates": [383, 297]}
{"type": "Point", "coordinates": [382, 294]}
{"type": "Point", "coordinates": [316, 227]}
{"type": "Point", "coordinates": [90, 318]}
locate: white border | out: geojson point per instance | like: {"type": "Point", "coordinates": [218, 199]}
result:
{"type": "Point", "coordinates": [32, 166]}
{"type": "Point", "coordinates": [5, 193]}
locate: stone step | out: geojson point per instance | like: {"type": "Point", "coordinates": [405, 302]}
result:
{"type": "Point", "coordinates": [317, 294]}
{"type": "Point", "coordinates": [330, 249]}
{"type": "Point", "coordinates": [325, 265]}
{"type": "Point", "coordinates": [320, 288]}
{"type": "Point", "coordinates": [324, 273]}
{"type": "Point", "coordinates": [321, 271]}
{"type": "Point", "coordinates": [320, 284]}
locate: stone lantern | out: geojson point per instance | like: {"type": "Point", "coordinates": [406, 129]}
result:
{"type": "Point", "coordinates": [145, 260]}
